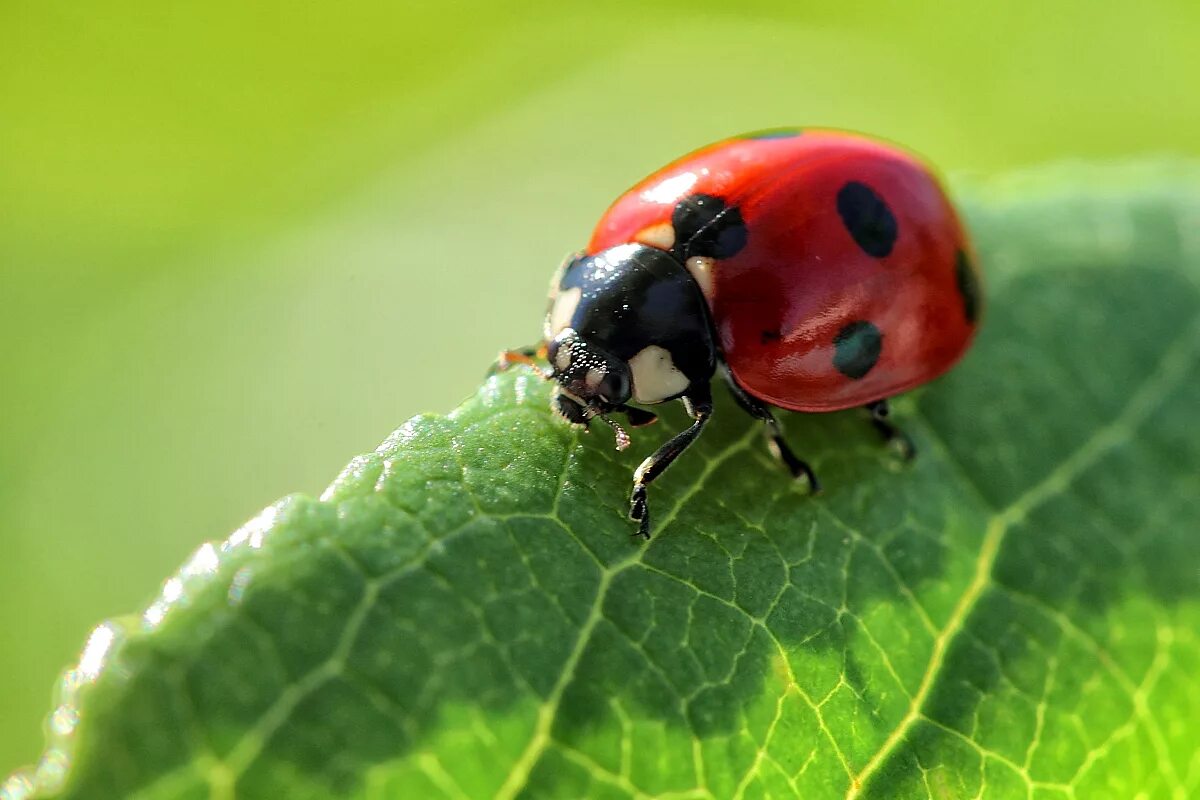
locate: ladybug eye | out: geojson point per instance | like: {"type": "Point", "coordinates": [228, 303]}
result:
{"type": "Point", "coordinates": [586, 371]}
{"type": "Point", "coordinates": [614, 387]}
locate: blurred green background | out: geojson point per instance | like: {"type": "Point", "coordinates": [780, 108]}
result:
{"type": "Point", "coordinates": [241, 242]}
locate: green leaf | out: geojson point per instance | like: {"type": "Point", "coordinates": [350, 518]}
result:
{"type": "Point", "coordinates": [463, 613]}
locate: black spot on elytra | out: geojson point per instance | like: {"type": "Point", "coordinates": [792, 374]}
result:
{"type": "Point", "coordinates": [867, 218]}
{"type": "Point", "coordinates": [968, 286]}
{"type": "Point", "coordinates": [767, 337]}
{"type": "Point", "coordinates": [705, 226]}
{"type": "Point", "coordinates": [856, 349]}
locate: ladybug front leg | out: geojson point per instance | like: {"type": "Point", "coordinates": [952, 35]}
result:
{"type": "Point", "coordinates": [524, 355]}
{"type": "Point", "coordinates": [775, 441]}
{"type": "Point", "coordinates": [699, 407]}
{"type": "Point", "coordinates": [880, 412]}
{"type": "Point", "coordinates": [638, 417]}
{"type": "Point", "coordinates": [574, 413]}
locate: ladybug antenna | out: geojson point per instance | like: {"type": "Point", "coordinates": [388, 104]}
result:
{"type": "Point", "coordinates": [622, 437]}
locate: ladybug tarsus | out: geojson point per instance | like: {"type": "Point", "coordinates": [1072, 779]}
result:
{"type": "Point", "coordinates": [774, 430]}
{"type": "Point", "coordinates": [798, 467]}
{"type": "Point", "coordinates": [893, 436]}
{"type": "Point", "coordinates": [639, 513]}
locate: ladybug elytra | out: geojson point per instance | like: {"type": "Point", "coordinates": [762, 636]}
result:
{"type": "Point", "coordinates": [812, 270]}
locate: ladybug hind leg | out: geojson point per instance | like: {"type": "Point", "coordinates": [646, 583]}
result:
{"type": "Point", "coordinates": [892, 436]}
{"type": "Point", "coordinates": [699, 408]}
{"type": "Point", "coordinates": [774, 431]}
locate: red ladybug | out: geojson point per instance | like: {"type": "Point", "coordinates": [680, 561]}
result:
{"type": "Point", "coordinates": [815, 270]}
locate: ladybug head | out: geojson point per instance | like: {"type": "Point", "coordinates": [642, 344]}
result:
{"type": "Point", "coordinates": [626, 324]}
{"type": "Point", "coordinates": [587, 373]}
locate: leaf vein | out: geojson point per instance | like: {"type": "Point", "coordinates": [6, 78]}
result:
{"type": "Point", "coordinates": [1173, 367]}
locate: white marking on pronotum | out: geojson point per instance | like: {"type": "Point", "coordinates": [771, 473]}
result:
{"type": "Point", "coordinates": [661, 236]}
{"type": "Point", "coordinates": [593, 377]}
{"type": "Point", "coordinates": [701, 269]}
{"type": "Point", "coordinates": [655, 377]}
{"type": "Point", "coordinates": [556, 278]}
{"type": "Point", "coordinates": [562, 311]}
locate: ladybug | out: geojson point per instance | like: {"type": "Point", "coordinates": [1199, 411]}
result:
{"type": "Point", "coordinates": [813, 270]}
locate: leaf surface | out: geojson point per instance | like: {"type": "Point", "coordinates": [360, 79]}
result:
{"type": "Point", "coordinates": [464, 614]}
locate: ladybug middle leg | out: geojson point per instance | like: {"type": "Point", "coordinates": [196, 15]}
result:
{"type": "Point", "coordinates": [699, 407]}
{"type": "Point", "coordinates": [775, 441]}
{"type": "Point", "coordinates": [880, 413]}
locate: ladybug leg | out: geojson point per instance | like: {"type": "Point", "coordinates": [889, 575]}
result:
{"type": "Point", "coordinates": [893, 436]}
{"type": "Point", "coordinates": [775, 441]}
{"type": "Point", "coordinates": [638, 417]}
{"type": "Point", "coordinates": [523, 355]}
{"type": "Point", "coordinates": [570, 410]}
{"type": "Point", "coordinates": [699, 408]}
